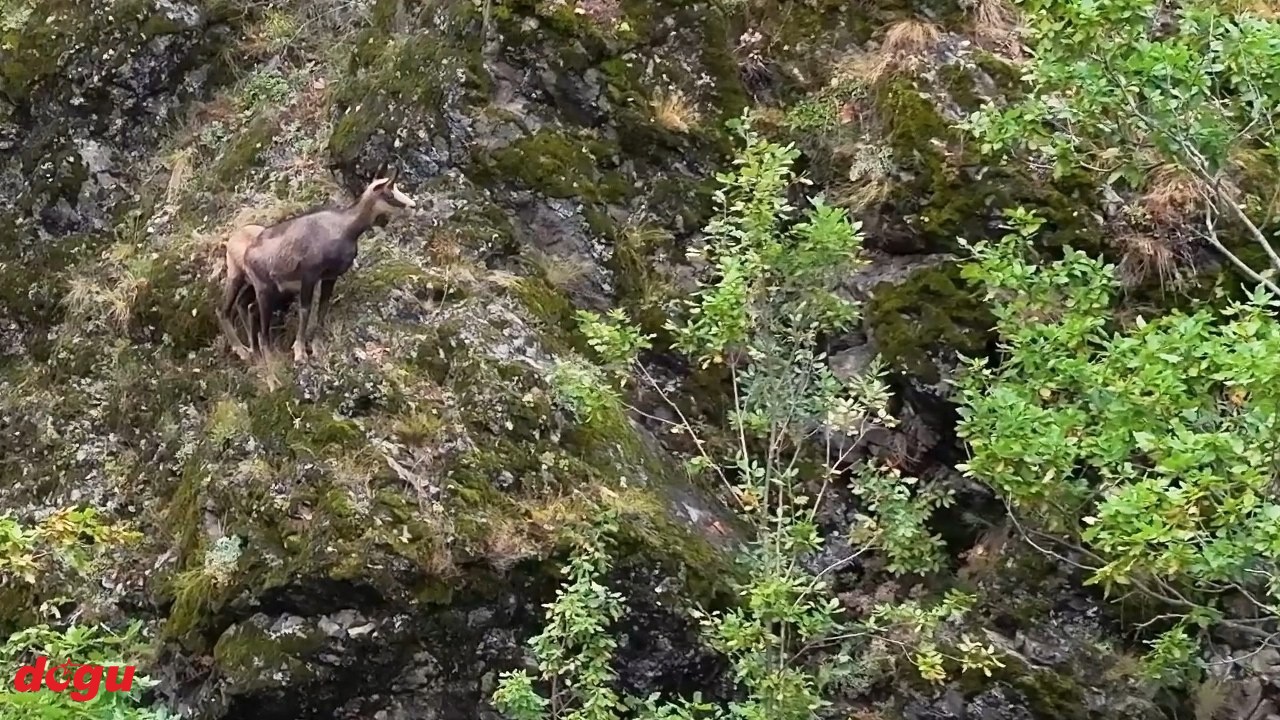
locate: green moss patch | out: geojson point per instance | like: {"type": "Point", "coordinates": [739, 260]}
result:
{"type": "Point", "coordinates": [952, 194]}
{"type": "Point", "coordinates": [254, 659]}
{"type": "Point", "coordinates": [931, 310]}
{"type": "Point", "coordinates": [403, 80]}
{"type": "Point", "coordinates": [558, 165]}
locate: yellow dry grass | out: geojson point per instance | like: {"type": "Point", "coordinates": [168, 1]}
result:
{"type": "Point", "coordinates": [1265, 9]}
{"type": "Point", "coordinates": [910, 38]}
{"type": "Point", "coordinates": [1145, 257]}
{"type": "Point", "coordinates": [905, 46]}
{"type": "Point", "coordinates": [1172, 194]}
{"type": "Point", "coordinates": [674, 111]}
{"type": "Point", "coordinates": [507, 542]}
{"type": "Point", "coordinates": [274, 370]}
{"type": "Point", "coordinates": [1210, 698]}
{"type": "Point", "coordinates": [869, 179]}
{"type": "Point", "coordinates": [563, 272]}
{"type": "Point", "coordinates": [108, 291]}
{"type": "Point", "coordinates": [994, 24]}
{"type": "Point", "coordinates": [984, 558]}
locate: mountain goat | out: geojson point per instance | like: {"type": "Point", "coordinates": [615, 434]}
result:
{"type": "Point", "coordinates": [302, 256]}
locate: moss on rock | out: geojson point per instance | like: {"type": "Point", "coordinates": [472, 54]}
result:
{"type": "Point", "coordinates": [951, 194]}
{"type": "Point", "coordinates": [931, 310]}
{"type": "Point", "coordinates": [400, 83]}
{"type": "Point", "coordinates": [558, 165]}
{"type": "Point", "coordinates": [253, 659]}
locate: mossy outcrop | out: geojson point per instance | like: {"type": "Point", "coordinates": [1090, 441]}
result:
{"type": "Point", "coordinates": [375, 531]}
{"type": "Point", "coordinates": [931, 311]}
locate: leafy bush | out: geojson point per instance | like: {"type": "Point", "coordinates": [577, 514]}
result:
{"type": "Point", "coordinates": [83, 645]}
{"type": "Point", "coordinates": [1147, 454]}
{"type": "Point", "coordinates": [769, 297]}
{"type": "Point", "coordinates": [1128, 87]}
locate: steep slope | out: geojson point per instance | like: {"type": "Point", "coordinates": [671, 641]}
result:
{"type": "Point", "coordinates": [370, 535]}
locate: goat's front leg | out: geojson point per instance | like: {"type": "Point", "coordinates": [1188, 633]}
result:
{"type": "Point", "coordinates": [322, 303]}
{"type": "Point", "coordinates": [305, 297]}
{"type": "Point", "coordinates": [266, 297]}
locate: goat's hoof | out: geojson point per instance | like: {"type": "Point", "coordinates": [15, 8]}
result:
{"type": "Point", "coordinates": [299, 355]}
{"type": "Point", "coordinates": [243, 353]}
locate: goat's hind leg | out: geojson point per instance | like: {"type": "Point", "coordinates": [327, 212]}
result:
{"type": "Point", "coordinates": [305, 297]}
{"type": "Point", "coordinates": [233, 291]}
{"type": "Point", "coordinates": [320, 322]}
{"type": "Point", "coordinates": [249, 319]}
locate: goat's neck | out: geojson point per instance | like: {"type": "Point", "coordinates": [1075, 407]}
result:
{"type": "Point", "coordinates": [361, 216]}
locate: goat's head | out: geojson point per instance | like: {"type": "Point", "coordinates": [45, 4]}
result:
{"type": "Point", "coordinates": [385, 195]}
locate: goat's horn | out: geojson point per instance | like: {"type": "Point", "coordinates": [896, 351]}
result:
{"type": "Point", "coordinates": [382, 168]}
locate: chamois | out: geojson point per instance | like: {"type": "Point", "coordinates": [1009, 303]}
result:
{"type": "Point", "coordinates": [236, 291]}
{"type": "Point", "coordinates": [309, 253]}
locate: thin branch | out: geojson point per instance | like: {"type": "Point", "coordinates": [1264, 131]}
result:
{"type": "Point", "coordinates": [1199, 165]}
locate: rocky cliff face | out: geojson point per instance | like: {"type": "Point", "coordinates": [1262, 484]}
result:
{"type": "Point", "coordinates": [370, 536]}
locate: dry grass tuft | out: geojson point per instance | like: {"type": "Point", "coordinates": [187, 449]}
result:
{"type": "Point", "coordinates": [275, 370]}
{"type": "Point", "coordinates": [984, 557]}
{"type": "Point", "coordinates": [674, 111]}
{"type": "Point", "coordinates": [563, 272]}
{"type": "Point", "coordinates": [1264, 9]}
{"type": "Point", "coordinates": [108, 292]}
{"type": "Point", "coordinates": [904, 48]}
{"type": "Point", "coordinates": [1127, 665]}
{"type": "Point", "coordinates": [1211, 699]}
{"type": "Point", "coordinates": [910, 38]}
{"type": "Point", "coordinates": [507, 542]}
{"type": "Point", "coordinates": [1146, 257]}
{"type": "Point", "coordinates": [995, 26]}
{"type": "Point", "coordinates": [1172, 195]}
{"type": "Point", "coordinates": [870, 178]}
{"type": "Point", "coordinates": [179, 175]}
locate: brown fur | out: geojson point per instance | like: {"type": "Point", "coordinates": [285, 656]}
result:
{"type": "Point", "coordinates": [237, 293]}
{"type": "Point", "coordinates": [308, 253]}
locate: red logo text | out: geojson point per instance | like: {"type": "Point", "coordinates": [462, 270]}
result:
{"type": "Point", "coordinates": [84, 681]}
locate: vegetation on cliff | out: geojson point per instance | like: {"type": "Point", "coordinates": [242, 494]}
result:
{"type": "Point", "coordinates": [627, 335]}
{"type": "Point", "coordinates": [1145, 453]}
{"type": "Point", "coordinates": [760, 312]}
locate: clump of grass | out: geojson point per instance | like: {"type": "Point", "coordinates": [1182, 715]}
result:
{"type": "Point", "coordinates": [275, 368]}
{"type": "Point", "coordinates": [994, 24]}
{"type": "Point", "coordinates": [813, 114]}
{"type": "Point", "coordinates": [563, 272]}
{"type": "Point", "coordinates": [179, 174]}
{"type": "Point", "coordinates": [905, 46]}
{"type": "Point", "coordinates": [638, 254]}
{"type": "Point", "coordinates": [984, 558]}
{"type": "Point", "coordinates": [1172, 195]}
{"type": "Point", "coordinates": [1264, 9]}
{"type": "Point", "coordinates": [507, 542]}
{"type": "Point", "coordinates": [1144, 257]}
{"type": "Point", "coordinates": [107, 293]}
{"type": "Point", "coordinates": [228, 420]}
{"type": "Point", "coordinates": [265, 88]}
{"type": "Point", "coordinates": [278, 29]}
{"type": "Point", "coordinates": [14, 15]}
{"type": "Point", "coordinates": [911, 37]}
{"type": "Point", "coordinates": [1210, 699]}
{"type": "Point", "coordinates": [674, 111]}
{"type": "Point", "coordinates": [870, 178]}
